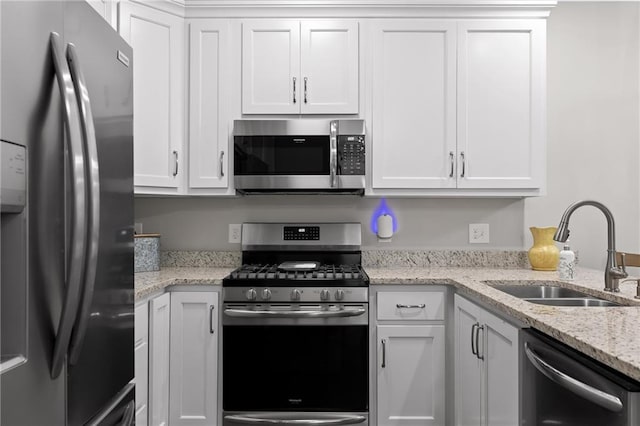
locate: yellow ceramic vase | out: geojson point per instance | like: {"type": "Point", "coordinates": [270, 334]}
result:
{"type": "Point", "coordinates": [544, 255]}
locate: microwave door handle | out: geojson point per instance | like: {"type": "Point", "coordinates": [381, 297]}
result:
{"type": "Point", "coordinates": [93, 174]}
{"type": "Point", "coordinates": [77, 249]}
{"type": "Point", "coordinates": [333, 158]}
{"type": "Point", "coordinates": [603, 399]}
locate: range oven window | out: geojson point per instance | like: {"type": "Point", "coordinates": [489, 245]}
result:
{"type": "Point", "coordinates": [281, 155]}
{"type": "Point", "coordinates": [295, 368]}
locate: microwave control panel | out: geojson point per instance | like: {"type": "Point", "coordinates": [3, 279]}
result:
{"type": "Point", "coordinates": [351, 158]}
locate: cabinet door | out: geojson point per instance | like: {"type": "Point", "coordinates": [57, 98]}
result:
{"type": "Point", "coordinates": [414, 123]}
{"type": "Point", "coordinates": [141, 363]}
{"type": "Point", "coordinates": [159, 320]}
{"type": "Point", "coordinates": [501, 103]}
{"type": "Point", "coordinates": [208, 85]}
{"type": "Point", "coordinates": [411, 382]}
{"type": "Point", "coordinates": [194, 358]}
{"type": "Point", "coordinates": [271, 67]}
{"type": "Point", "coordinates": [329, 67]}
{"type": "Point", "coordinates": [468, 366]}
{"type": "Point", "coordinates": [501, 386]}
{"type": "Point", "coordinates": [157, 39]}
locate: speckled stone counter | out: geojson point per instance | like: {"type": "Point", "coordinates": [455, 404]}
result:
{"type": "Point", "coordinates": [608, 334]}
{"type": "Point", "coordinates": [147, 283]}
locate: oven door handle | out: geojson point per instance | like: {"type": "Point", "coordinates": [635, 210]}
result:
{"type": "Point", "coordinates": [295, 419]}
{"type": "Point", "coordinates": [248, 313]}
{"type": "Point", "coordinates": [603, 399]}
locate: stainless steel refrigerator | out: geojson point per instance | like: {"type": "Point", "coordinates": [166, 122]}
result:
{"type": "Point", "coordinates": [67, 217]}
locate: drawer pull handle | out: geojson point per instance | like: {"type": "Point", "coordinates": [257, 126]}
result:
{"type": "Point", "coordinates": [474, 350]}
{"type": "Point", "coordinates": [403, 306]}
{"type": "Point", "coordinates": [211, 329]}
{"type": "Point", "coordinates": [384, 353]}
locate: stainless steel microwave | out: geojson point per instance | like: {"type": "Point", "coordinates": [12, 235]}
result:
{"type": "Point", "coordinates": [299, 156]}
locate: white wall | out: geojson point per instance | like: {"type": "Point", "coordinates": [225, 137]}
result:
{"type": "Point", "coordinates": [593, 125]}
{"type": "Point", "coordinates": [202, 223]}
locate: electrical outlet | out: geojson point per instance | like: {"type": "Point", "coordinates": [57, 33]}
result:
{"type": "Point", "coordinates": [478, 233]}
{"type": "Point", "coordinates": [137, 228]}
{"type": "Point", "coordinates": [235, 232]}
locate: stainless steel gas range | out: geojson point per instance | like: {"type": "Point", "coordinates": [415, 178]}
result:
{"type": "Point", "coordinates": [295, 327]}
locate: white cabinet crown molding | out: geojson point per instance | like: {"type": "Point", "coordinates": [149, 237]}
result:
{"type": "Point", "coordinates": [368, 8]}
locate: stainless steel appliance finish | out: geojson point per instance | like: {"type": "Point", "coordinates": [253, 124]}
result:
{"type": "Point", "coordinates": [68, 99]}
{"type": "Point", "coordinates": [299, 156]}
{"type": "Point", "coordinates": [561, 386]}
{"type": "Point", "coordinates": [298, 305]}
{"type": "Point", "coordinates": [612, 272]}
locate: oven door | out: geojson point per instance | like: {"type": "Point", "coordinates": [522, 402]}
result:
{"type": "Point", "coordinates": [296, 358]}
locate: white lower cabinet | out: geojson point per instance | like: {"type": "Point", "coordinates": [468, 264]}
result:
{"type": "Point", "coordinates": [159, 320]}
{"type": "Point", "coordinates": [410, 358]}
{"type": "Point", "coordinates": [486, 367]}
{"type": "Point", "coordinates": [176, 359]}
{"type": "Point", "coordinates": [141, 362]}
{"type": "Point", "coordinates": [194, 359]}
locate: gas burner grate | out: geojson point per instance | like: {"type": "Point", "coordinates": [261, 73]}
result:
{"type": "Point", "coordinates": [323, 272]}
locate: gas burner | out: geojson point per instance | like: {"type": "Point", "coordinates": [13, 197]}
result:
{"type": "Point", "coordinates": [322, 272]}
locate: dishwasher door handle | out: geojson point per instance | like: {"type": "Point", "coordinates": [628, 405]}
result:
{"type": "Point", "coordinates": [603, 399]}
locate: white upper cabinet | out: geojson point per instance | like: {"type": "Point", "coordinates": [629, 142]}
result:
{"type": "Point", "coordinates": [299, 67]}
{"type": "Point", "coordinates": [413, 129]}
{"type": "Point", "coordinates": [158, 44]}
{"type": "Point", "coordinates": [208, 91]}
{"type": "Point", "coordinates": [458, 107]}
{"type": "Point", "coordinates": [329, 67]}
{"type": "Point", "coordinates": [271, 67]}
{"type": "Point", "coordinates": [501, 103]}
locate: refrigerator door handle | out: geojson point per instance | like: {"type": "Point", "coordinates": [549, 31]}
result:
{"type": "Point", "coordinates": [93, 174]}
{"type": "Point", "coordinates": [77, 250]}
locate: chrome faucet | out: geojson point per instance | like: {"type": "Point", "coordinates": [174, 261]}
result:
{"type": "Point", "coordinates": [612, 272]}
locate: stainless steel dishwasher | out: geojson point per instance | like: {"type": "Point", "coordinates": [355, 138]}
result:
{"type": "Point", "coordinates": [560, 386]}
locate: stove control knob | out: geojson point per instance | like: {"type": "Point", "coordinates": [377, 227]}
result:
{"type": "Point", "coordinates": [266, 294]}
{"type": "Point", "coordinates": [251, 294]}
{"type": "Point", "coordinates": [324, 295]}
{"type": "Point", "coordinates": [295, 294]}
{"type": "Point", "coordinates": [339, 294]}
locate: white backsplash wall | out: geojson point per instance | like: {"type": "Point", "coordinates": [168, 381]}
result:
{"type": "Point", "coordinates": [203, 223]}
{"type": "Point", "coordinates": [593, 149]}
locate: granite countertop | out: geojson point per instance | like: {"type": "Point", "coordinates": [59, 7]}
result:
{"type": "Point", "coordinates": [609, 334]}
{"type": "Point", "coordinates": [147, 283]}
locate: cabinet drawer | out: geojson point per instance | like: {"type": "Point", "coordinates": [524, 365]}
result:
{"type": "Point", "coordinates": [410, 306]}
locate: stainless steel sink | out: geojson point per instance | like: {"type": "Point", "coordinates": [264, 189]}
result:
{"type": "Point", "coordinates": [539, 291]}
{"type": "Point", "coordinates": [580, 301]}
{"type": "Point", "coordinates": [552, 295]}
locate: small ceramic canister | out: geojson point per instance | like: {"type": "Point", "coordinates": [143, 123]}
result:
{"type": "Point", "coordinates": [147, 252]}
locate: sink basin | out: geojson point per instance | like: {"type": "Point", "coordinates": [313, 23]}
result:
{"type": "Point", "coordinates": [553, 295]}
{"type": "Point", "coordinates": [580, 301]}
{"type": "Point", "coordinates": [539, 291]}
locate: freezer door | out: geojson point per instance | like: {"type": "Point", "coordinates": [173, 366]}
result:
{"type": "Point", "coordinates": [32, 116]}
{"type": "Point", "coordinates": [101, 354]}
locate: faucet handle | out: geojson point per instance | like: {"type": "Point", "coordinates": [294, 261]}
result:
{"type": "Point", "coordinates": [623, 257]}
{"type": "Point", "coordinates": [629, 259]}
{"type": "Point", "coordinates": [637, 280]}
